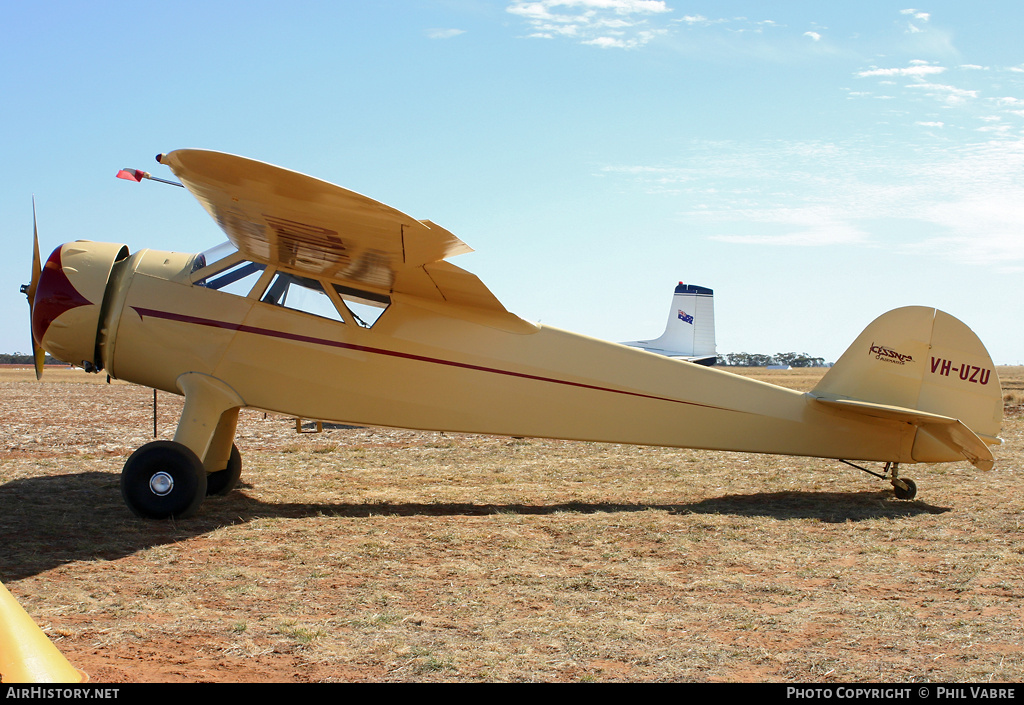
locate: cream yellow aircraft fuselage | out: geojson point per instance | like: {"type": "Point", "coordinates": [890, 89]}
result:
{"type": "Point", "coordinates": [438, 358]}
{"type": "Point", "coordinates": [425, 367]}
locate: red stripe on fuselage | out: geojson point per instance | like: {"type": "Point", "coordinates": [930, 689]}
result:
{"type": "Point", "coordinates": [242, 328]}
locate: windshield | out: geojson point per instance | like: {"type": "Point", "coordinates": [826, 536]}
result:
{"type": "Point", "coordinates": [237, 279]}
{"type": "Point", "coordinates": [214, 254]}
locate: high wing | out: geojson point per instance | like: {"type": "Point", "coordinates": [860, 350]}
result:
{"type": "Point", "coordinates": [283, 218]}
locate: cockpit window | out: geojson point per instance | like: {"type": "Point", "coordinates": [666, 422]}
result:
{"type": "Point", "coordinates": [365, 306]}
{"type": "Point", "coordinates": [301, 294]}
{"type": "Point", "coordinates": [237, 279]}
{"type": "Point", "coordinates": [223, 268]}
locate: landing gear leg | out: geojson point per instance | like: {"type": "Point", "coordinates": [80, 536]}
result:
{"type": "Point", "coordinates": [222, 482]}
{"type": "Point", "coordinates": [170, 479]}
{"type": "Point", "coordinates": [223, 461]}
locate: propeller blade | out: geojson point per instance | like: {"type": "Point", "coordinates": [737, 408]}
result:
{"type": "Point", "coordinates": [36, 261]}
{"type": "Point", "coordinates": [38, 358]}
{"type": "Point", "coordinates": [38, 354]}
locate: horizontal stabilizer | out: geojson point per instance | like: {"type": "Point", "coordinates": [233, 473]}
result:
{"type": "Point", "coordinates": [948, 431]}
{"type": "Point", "coordinates": [706, 360]}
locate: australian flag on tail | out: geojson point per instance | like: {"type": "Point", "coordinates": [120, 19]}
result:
{"type": "Point", "coordinates": [684, 316]}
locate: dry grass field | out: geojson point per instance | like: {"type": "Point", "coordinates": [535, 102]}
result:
{"type": "Point", "coordinates": [362, 554]}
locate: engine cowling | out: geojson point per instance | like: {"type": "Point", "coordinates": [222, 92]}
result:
{"type": "Point", "coordinates": [68, 308]}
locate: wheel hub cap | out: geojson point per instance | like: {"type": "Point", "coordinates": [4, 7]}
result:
{"type": "Point", "coordinates": [161, 484]}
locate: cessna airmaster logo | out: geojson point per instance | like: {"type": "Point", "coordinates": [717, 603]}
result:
{"type": "Point", "coordinates": [889, 355]}
{"type": "Point", "coordinates": [939, 366]}
{"type": "Point", "coordinates": [968, 373]}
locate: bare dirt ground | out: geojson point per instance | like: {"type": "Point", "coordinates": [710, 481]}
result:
{"type": "Point", "coordinates": [382, 555]}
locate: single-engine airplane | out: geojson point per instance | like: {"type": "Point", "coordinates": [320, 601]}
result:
{"type": "Point", "coordinates": [690, 331]}
{"type": "Point", "coordinates": [326, 304]}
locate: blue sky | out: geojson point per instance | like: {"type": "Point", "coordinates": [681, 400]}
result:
{"type": "Point", "coordinates": [816, 164]}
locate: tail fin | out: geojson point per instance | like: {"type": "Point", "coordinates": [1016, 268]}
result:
{"type": "Point", "coordinates": [925, 367]}
{"type": "Point", "coordinates": [690, 331]}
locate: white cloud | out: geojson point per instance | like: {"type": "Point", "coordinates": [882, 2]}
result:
{"type": "Point", "coordinates": [607, 43]}
{"type": "Point", "coordinates": [811, 227]}
{"type": "Point", "coordinates": [917, 69]}
{"type": "Point", "coordinates": [619, 24]}
{"type": "Point", "coordinates": [444, 33]}
{"type": "Point", "coordinates": [984, 229]}
{"type": "Point", "coordinates": [951, 95]}
{"type": "Point", "coordinates": [612, 42]}
{"type": "Point", "coordinates": [921, 17]}
{"type": "Point", "coordinates": [916, 14]}
{"type": "Point", "coordinates": [555, 9]}
{"type": "Point", "coordinates": [813, 35]}
{"type": "Point", "coordinates": [962, 203]}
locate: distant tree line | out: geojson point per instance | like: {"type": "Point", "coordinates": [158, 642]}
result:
{"type": "Point", "coordinates": [756, 360]}
{"type": "Point", "coordinates": [24, 359]}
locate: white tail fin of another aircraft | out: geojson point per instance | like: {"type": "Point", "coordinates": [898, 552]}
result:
{"type": "Point", "coordinates": [925, 367]}
{"type": "Point", "coordinates": [690, 331]}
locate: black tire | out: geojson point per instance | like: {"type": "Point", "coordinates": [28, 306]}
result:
{"type": "Point", "coordinates": [163, 480]}
{"type": "Point", "coordinates": [908, 493]}
{"type": "Point", "coordinates": [222, 482]}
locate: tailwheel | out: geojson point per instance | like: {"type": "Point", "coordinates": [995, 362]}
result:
{"type": "Point", "coordinates": [907, 491]}
{"type": "Point", "coordinates": [223, 481]}
{"type": "Point", "coordinates": [904, 489]}
{"type": "Point", "coordinates": [163, 480]}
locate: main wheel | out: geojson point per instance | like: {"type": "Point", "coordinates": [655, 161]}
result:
{"type": "Point", "coordinates": [163, 480]}
{"type": "Point", "coordinates": [223, 481]}
{"type": "Point", "coordinates": [908, 493]}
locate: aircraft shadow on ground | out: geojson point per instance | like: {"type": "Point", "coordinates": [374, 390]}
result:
{"type": "Point", "coordinates": [51, 521]}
